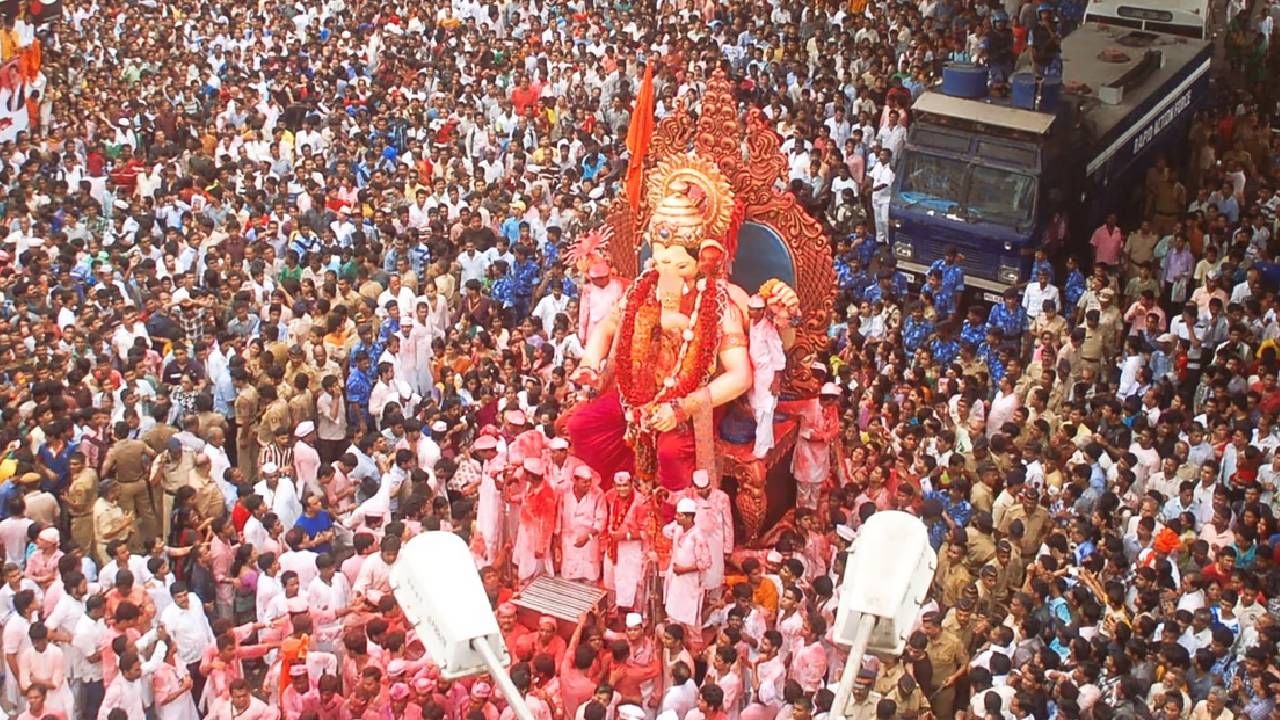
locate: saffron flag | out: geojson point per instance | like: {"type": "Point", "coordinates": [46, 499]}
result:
{"type": "Point", "coordinates": [638, 135]}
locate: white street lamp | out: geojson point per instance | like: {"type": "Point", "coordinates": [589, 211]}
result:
{"type": "Point", "coordinates": [887, 574]}
{"type": "Point", "coordinates": [436, 583]}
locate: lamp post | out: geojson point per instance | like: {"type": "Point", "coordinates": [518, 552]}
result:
{"type": "Point", "coordinates": [436, 583]}
{"type": "Point", "coordinates": [887, 574]}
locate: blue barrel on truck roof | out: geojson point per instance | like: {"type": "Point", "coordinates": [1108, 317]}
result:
{"type": "Point", "coordinates": [1023, 91]}
{"type": "Point", "coordinates": [1050, 93]}
{"type": "Point", "coordinates": [965, 80]}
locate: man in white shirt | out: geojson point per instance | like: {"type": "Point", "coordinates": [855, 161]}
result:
{"type": "Point", "coordinates": [87, 639]}
{"type": "Point", "coordinates": [492, 168]}
{"type": "Point", "coordinates": [118, 551]}
{"type": "Point", "coordinates": [374, 580]}
{"type": "Point", "coordinates": [474, 265]}
{"type": "Point", "coordinates": [881, 188]}
{"type": "Point", "coordinates": [1200, 634]}
{"type": "Point", "coordinates": [682, 695]}
{"type": "Point", "coordinates": [328, 598]}
{"type": "Point", "coordinates": [403, 299]}
{"type": "Point", "coordinates": [270, 589]}
{"type": "Point", "coordinates": [501, 250]}
{"type": "Point", "coordinates": [278, 496]}
{"type": "Point", "coordinates": [894, 135]}
{"type": "Point", "coordinates": [62, 621]}
{"type": "Point", "coordinates": [549, 307]}
{"type": "Point", "coordinates": [384, 391]}
{"type": "Point", "coordinates": [219, 463]}
{"type": "Point", "coordinates": [422, 443]}
{"type": "Point", "coordinates": [768, 360]}
{"type": "Point", "coordinates": [1268, 477]}
{"type": "Point", "coordinates": [298, 559]}
{"type": "Point", "coordinates": [798, 161]}
{"type": "Point", "coordinates": [122, 339]}
{"type": "Point", "coordinates": [1265, 437]}
{"type": "Point", "coordinates": [1037, 293]}
{"type": "Point", "coordinates": [254, 533]}
{"type": "Point", "coordinates": [241, 704]}
{"type": "Point", "coordinates": [566, 345]}
{"type": "Point", "coordinates": [1246, 288]}
{"type": "Point", "coordinates": [839, 127]}
{"type": "Point", "coordinates": [418, 211]}
{"type": "Point", "coordinates": [189, 628]}
{"type": "Point", "coordinates": [13, 537]}
{"type": "Point", "coordinates": [1166, 480]}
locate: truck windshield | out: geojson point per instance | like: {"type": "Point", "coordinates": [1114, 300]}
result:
{"type": "Point", "coordinates": [999, 196]}
{"type": "Point", "coordinates": [949, 185]}
{"type": "Point", "coordinates": [932, 182]}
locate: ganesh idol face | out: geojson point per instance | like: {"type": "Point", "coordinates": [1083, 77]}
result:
{"type": "Point", "coordinates": [678, 228]}
{"type": "Point", "coordinates": [674, 261]}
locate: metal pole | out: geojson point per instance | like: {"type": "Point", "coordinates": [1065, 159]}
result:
{"type": "Point", "coordinates": [861, 637]}
{"type": "Point", "coordinates": [500, 676]}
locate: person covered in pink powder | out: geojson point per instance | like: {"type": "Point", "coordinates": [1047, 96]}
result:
{"type": "Point", "coordinates": [38, 707]}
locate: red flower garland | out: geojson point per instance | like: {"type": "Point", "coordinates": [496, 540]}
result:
{"type": "Point", "coordinates": [641, 290]}
{"type": "Point", "coordinates": [696, 367]}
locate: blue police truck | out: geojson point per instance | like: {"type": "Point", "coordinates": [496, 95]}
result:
{"type": "Point", "coordinates": [996, 177]}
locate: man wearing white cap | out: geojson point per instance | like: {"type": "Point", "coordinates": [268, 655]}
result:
{"type": "Point", "coordinates": [715, 520]}
{"type": "Point", "coordinates": [488, 494]}
{"type": "Point", "coordinates": [690, 558]}
{"type": "Point", "coordinates": [643, 669]}
{"type": "Point", "coordinates": [514, 422]}
{"type": "Point", "coordinates": [811, 462]}
{"type": "Point", "coordinates": [562, 465]}
{"type": "Point", "coordinates": [599, 296]}
{"type": "Point", "coordinates": [845, 536]}
{"type": "Point", "coordinates": [306, 459]}
{"type": "Point", "coordinates": [768, 360]}
{"type": "Point", "coordinates": [415, 349]}
{"type": "Point", "coordinates": [402, 392]}
{"type": "Point", "coordinates": [580, 524]}
{"type": "Point", "coordinates": [630, 712]}
{"type": "Point", "coordinates": [538, 510]}
{"type": "Point", "coordinates": [279, 495]}
{"type": "Point", "coordinates": [624, 549]}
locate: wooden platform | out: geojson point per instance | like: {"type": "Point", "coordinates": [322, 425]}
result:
{"type": "Point", "coordinates": [756, 506]}
{"type": "Point", "coordinates": [563, 600]}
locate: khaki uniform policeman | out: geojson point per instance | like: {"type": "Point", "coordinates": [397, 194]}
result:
{"type": "Point", "coordinates": [948, 658]}
{"type": "Point", "coordinates": [863, 700]}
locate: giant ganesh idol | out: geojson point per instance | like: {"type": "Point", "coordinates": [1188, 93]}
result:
{"type": "Point", "coordinates": [674, 350]}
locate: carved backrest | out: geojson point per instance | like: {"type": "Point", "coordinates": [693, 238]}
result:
{"type": "Point", "coordinates": [777, 238]}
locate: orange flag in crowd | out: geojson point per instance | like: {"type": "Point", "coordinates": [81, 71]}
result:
{"type": "Point", "coordinates": [638, 135]}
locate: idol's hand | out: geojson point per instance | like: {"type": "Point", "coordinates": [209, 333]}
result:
{"type": "Point", "coordinates": [586, 378]}
{"type": "Point", "coordinates": [785, 298]}
{"type": "Point", "coordinates": [663, 418]}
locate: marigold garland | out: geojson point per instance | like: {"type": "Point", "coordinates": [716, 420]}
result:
{"type": "Point", "coordinates": [640, 318]}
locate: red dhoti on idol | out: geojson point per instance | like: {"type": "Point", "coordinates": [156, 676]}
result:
{"type": "Point", "coordinates": [598, 430]}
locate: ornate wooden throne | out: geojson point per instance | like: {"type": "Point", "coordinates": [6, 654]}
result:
{"type": "Point", "coordinates": [776, 239]}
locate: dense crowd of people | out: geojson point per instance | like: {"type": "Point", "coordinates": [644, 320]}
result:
{"type": "Point", "coordinates": [285, 285]}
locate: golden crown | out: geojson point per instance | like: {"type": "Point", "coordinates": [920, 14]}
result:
{"type": "Point", "coordinates": [692, 201]}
